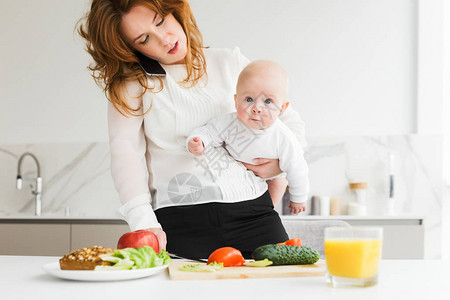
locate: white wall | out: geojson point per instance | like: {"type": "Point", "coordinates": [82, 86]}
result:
{"type": "Point", "coordinates": [46, 92]}
{"type": "Point", "coordinates": [351, 62]}
{"type": "Point", "coordinates": [357, 67]}
{"type": "Point", "coordinates": [446, 126]}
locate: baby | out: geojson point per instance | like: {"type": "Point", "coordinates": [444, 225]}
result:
{"type": "Point", "coordinates": [255, 131]}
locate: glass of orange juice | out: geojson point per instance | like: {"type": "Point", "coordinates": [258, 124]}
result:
{"type": "Point", "coordinates": [352, 255]}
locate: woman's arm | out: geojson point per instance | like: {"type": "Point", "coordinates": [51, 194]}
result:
{"type": "Point", "coordinates": [128, 147]}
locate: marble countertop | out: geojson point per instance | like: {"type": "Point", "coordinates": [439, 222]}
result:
{"type": "Point", "coordinates": [348, 217]}
{"type": "Point", "coordinates": [398, 279]}
{"type": "Point", "coordinates": [116, 220]}
{"type": "Point", "coordinates": [293, 217]}
{"type": "Point", "coordinates": [286, 217]}
{"type": "Point", "coordinates": [58, 219]}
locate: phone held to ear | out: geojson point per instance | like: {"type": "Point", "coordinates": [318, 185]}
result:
{"type": "Point", "coordinates": [150, 66]}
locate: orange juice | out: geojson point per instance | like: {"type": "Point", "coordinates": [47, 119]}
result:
{"type": "Point", "coordinates": [354, 258]}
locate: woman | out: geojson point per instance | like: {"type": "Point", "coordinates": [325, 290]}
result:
{"type": "Point", "coordinates": [201, 204]}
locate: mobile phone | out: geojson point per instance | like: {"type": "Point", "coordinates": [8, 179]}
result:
{"type": "Point", "coordinates": [150, 66]}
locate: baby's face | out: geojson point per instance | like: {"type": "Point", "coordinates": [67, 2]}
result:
{"type": "Point", "coordinates": [260, 100]}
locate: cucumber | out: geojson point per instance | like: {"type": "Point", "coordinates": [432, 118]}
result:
{"type": "Point", "coordinates": [286, 254]}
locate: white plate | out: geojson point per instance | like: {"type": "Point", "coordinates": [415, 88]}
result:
{"type": "Point", "coordinates": [87, 275]}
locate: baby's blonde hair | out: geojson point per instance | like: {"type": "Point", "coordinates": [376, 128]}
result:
{"type": "Point", "coordinates": [264, 68]}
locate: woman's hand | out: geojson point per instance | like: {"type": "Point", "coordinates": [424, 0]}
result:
{"type": "Point", "coordinates": [161, 235]}
{"type": "Point", "coordinates": [264, 167]}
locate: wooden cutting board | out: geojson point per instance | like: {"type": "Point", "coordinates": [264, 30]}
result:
{"type": "Point", "coordinates": [317, 269]}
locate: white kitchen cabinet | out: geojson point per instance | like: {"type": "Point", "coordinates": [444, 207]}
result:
{"type": "Point", "coordinates": [403, 237]}
{"type": "Point", "coordinates": [403, 242]}
{"type": "Point", "coordinates": [34, 239]}
{"type": "Point", "coordinates": [57, 236]}
{"type": "Point", "coordinates": [106, 235]}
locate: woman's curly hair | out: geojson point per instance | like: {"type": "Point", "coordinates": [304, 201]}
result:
{"type": "Point", "coordinates": [114, 60]}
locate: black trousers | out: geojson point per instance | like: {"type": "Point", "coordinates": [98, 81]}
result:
{"type": "Point", "coordinates": [195, 231]}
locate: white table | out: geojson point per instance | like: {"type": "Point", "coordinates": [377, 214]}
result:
{"type": "Point", "coordinates": [21, 277]}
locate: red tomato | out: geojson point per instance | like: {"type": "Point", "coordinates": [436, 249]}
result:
{"type": "Point", "coordinates": [294, 242]}
{"type": "Point", "coordinates": [228, 256]}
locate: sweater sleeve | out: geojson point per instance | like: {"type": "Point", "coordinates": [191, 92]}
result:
{"type": "Point", "coordinates": [128, 147]}
{"type": "Point", "coordinates": [292, 120]}
{"type": "Point", "coordinates": [210, 133]}
{"type": "Point", "coordinates": [294, 165]}
{"type": "Point", "coordinates": [242, 60]}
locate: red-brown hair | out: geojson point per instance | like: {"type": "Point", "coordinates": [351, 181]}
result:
{"type": "Point", "coordinates": [114, 60]}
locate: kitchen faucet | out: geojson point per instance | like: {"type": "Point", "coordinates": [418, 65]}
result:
{"type": "Point", "coordinates": [37, 190]}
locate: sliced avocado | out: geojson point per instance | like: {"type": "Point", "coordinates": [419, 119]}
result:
{"type": "Point", "coordinates": [259, 263]}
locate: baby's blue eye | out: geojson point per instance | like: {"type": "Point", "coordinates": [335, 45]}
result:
{"type": "Point", "coordinates": [267, 101]}
{"type": "Point", "coordinates": [248, 99]}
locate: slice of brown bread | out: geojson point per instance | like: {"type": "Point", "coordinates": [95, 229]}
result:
{"type": "Point", "coordinates": [85, 258]}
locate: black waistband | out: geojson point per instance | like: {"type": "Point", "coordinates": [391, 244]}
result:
{"type": "Point", "coordinates": [197, 230]}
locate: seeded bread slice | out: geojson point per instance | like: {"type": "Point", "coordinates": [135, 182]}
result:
{"type": "Point", "coordinates": [85, 258]}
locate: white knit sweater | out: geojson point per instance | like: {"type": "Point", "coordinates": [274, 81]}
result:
{"type": "Point", "coordinates": [245, 144]}
{"type": "Point", "coordinates": [150, 165]}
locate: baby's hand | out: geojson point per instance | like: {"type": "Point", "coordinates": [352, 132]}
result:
{"type": "Point", "coordinates": [195, 146]}
{"type": "Point", "coordinates": [297, 207]}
